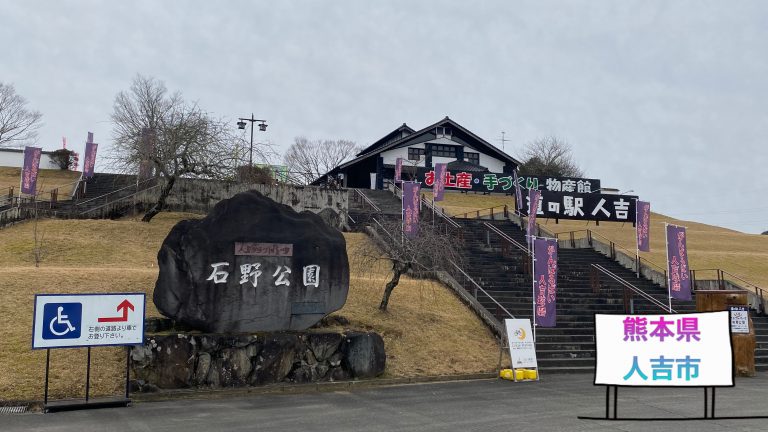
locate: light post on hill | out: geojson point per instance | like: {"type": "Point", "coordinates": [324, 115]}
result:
{"type": "Point", "coordinates": [262, 127]}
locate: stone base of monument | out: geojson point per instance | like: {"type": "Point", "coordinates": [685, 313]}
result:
{"type": "Point", "coordinates": [188, 360]}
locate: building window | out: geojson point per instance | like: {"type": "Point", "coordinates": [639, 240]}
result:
{"type": "Point", "coordinates": [472, 157]}
{"type": "Point", "coordinates": [444, 151]}
{"type": "Point", "coordinates": [415, 153]}
{"type": "Point", "coordinates": [443, 132]}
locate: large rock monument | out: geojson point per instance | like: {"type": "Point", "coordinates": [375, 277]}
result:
{"type": "Point", "coordinates": [252, 265]}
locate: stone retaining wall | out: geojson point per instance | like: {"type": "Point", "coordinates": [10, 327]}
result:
{"type": "Point", "coordinates": [185, 360]}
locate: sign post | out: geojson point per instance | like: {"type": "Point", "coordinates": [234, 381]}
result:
{"type": "Point", "coordinates": [87, 320]}
{"type": "Point", "coordinates": [522, 349]}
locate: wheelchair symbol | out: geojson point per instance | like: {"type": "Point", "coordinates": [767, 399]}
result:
{"type": "Point", "coordinates": [62, 320]}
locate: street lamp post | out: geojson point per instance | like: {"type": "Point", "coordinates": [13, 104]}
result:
{"type": "Point", "coordinates": [262, 127]}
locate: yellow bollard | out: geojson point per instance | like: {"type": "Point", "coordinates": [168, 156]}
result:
{"type": "Point", "coordinates": [529, 374]}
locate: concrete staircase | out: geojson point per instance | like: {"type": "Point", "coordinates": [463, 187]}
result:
{"type": "Point", "coordinates": [761, 348]}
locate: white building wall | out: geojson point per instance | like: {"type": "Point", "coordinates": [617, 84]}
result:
{"type": "Point", "coordinates": [16, 160]}
{"type": "Point", "coordinates": [390, 157]}
{"type": "Point", "coordinates": [11, 159]}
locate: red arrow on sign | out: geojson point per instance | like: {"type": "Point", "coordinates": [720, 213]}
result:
{"type": "Point", "coordinates": [125, 305]}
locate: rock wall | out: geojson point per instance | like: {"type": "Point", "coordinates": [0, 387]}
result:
{"type": "Point", "coordinates": [182, 360]}
{"type": "Point", "coordinates": [199, 196]}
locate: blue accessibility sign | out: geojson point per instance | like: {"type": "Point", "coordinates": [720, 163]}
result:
{"type": "Point", "coordinates": [62, 320]}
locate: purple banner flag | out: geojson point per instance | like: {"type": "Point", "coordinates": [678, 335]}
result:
{"type": "Point", "coordinates": [31, 169]}
{"type": "Point", "coordinates": [438, 188]}
{"type": "Point", "coordinates": [90, 157]}
{"type": "Point", "coordinates": [398, 170]}
{"type": "Point", "coordinates": [518, 194]}
{"type": "Point", "coordinates": [643, 225]}
{"type": "Point", "coordinates": [534, 197]}
{"type": "Point", "coordinates": [90, 138]}
{"type": "Point", "coordinates": [677, 263]}
{"type": "Point", "coordinates": [411, 209]}
{"type": "Point", "coordinates": [545, 276]}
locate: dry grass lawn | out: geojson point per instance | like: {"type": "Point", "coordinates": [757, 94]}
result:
{"type": "Point", "coordinates": [744, 255]}
{"type": "Point", "coordinates": [47, 180]}
{"type": "Point", "coordinates": [427, 331]}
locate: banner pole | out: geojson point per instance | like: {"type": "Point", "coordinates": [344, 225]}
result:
{"type": "Point", "coordinates": [533, 288]}
{"type": "Point", "coordinates": [637, 239]}
{"type": "Point", "coordinates": [669, 273]}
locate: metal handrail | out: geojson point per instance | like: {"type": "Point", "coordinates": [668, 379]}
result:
{"type": "Point", "coordinates": [634, 289]}
{"type": "Point", "coordinates": [477, 212]}
{"type": "Point", "coordinates": [477, 286]}
{"type": "Point", "coordinates": [118, 200]}
{"type": "Point", "coordinates": [440, 212]}
{"type": "Point", "coordinates": [468, 277]}
{"type": "Point", "coordinates": [116, 191]}
{"type": "Point", "coordinates": [367, 200]}
{"type": "Point", "coordinates": [507, 238]}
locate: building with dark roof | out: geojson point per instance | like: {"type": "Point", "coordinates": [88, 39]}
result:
{"type": "Point", "coordinates": [468, 157]}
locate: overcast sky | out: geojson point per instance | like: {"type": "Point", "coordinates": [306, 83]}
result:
{"type": "Point", "coordinates": [668, 98]}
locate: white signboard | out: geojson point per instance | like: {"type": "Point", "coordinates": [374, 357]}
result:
{"type": "Point", "coordinates": [522, 350]}
{"type": "Point", "coordinates": [82, 320]}
{"type": "Point", "coordinates": [739, 319]}
{"type": "Point", "coordinates": [671, 350]}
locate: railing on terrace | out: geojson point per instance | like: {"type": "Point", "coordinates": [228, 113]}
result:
{"type": "Point", "coordinates": [489, 212]}
{"type": "Point", "coordinates": [50, 197]}
{"type": "Point", "coordinates": [628, 289]}
{"type": "Point", "coordinates": [646, 267]}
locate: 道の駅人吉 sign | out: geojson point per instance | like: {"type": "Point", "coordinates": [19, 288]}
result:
{"type": "Point", "coordinates": [83, 320]}
{"type": "Point", "coordinates": [671, 350]}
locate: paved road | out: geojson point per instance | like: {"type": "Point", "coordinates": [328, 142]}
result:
{"type": "Point", "coordinates": [486, 405]}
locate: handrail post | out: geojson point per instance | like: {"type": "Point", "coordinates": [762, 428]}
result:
{"type": "Point", "coordinates": [506, 211]}
{"type": "Point", "coordinates": [594, 280]}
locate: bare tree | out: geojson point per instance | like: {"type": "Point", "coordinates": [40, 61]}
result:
{"type": "Point", "coordinates": [549, 156]}
{"type": "Point", "coordinates": [308, 159]}
{"type": "Point", "coordinates": [18, 124]}
{"type": "Point", "coordinates": [176, 138]}
{"type": "Point", "coordinates": [430, 251]}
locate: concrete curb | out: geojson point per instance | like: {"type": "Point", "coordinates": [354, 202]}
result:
{"type": "Point", "coordinates": [302, 388]}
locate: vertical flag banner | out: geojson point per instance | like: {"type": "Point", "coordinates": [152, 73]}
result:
{"type": "Point", "coordinates": [411, 209]}
{"type": "Point", "coordinates": [677, 263]}
{"type": "Point", "coordinates": [30, 170]}
{"type": "Point", "coordinates": [398, 170]}
{"type": "Point", "coordinates": [518, 194]}
{"type": "Point", "coordinates": [90, 156]}
{"type": "Point", "coordinates": [534, 197]}
{"type": "Point", "coordinates": [643, 225]}
{"type": "Point", "coordinates": [438, 188]}
{"type": "Point", "coordinates": [545, 276]}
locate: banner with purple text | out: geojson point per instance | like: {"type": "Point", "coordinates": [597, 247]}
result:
{"type": "Point", "coordinates": [30, 170]}
{"type": "Point", "coordinates": [438, 188]}
{"type": "Point", "coordinates": [411, 209]}
{"type": "Point", "coordinates": [643, 225]}
{"type": "Point", "coordinates": [545, 276]}
{"type": "Point", "coordinates": [398, 170]}
{"type": "Point", "coordinates": [534, 200]}
{"type": "Point", "coordinates": [90, 157]}
{"type": "Point", "coordinates": [677, 263]}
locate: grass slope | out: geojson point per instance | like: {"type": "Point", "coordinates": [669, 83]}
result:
{"type": "Point", "coordinates": [48, 179]}
{"type": "Point", "coordinates": [427, 331]}
{"type": "Point", "coordinates": [744, 255]}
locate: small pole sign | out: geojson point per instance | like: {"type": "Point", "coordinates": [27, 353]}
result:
{"type": "Point", "coordinates": [86, 320]}
{"type": "Point", "coordinates": [739, 319]}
